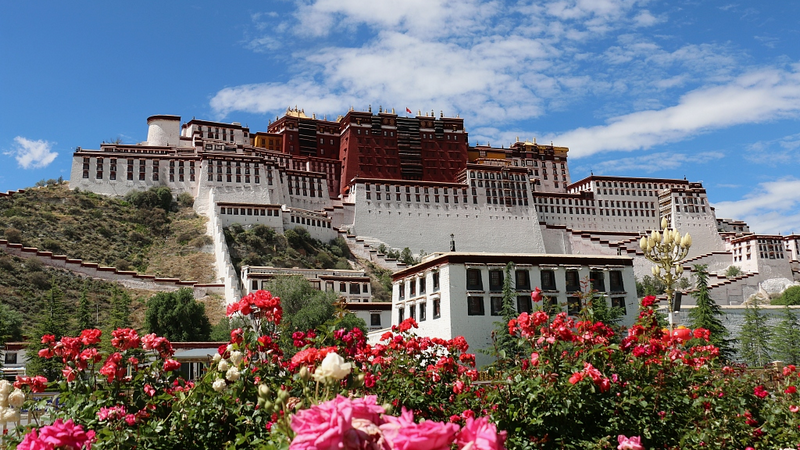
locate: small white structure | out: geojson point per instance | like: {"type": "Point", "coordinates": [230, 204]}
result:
{"type": "Point", "coordinates": [460, 294]}
{"type": "Point", "coordinates": [14, 360]}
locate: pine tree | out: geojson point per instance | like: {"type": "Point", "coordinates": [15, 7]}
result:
{"type": "Point", "coordinates": [785, 337]}
{"type": "Point", "coordinates": [54, 320]}
{"type": "Point", "coordinates": [706, 314]}
{"type": "Point", "coordinates": [754, 337]}
{"type": "Point", "coordinates": [85, 318]}
{"type": "Point", "coordinates": [506, 347]}
{"type": "Point", "coordinates": [120, 316]}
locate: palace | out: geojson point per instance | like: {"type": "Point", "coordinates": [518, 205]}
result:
{"type": "Point", "coordinates": [387, 181]}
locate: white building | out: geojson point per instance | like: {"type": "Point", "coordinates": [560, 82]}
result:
{"type": "Point", "coordinates": [519, 199]}
{"type": "Point", "coordinates": [460, 294]}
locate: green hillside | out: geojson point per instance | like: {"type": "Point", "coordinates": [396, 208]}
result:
{"type": "Point", "coordinates": [163, 239]}
{"type": "Point", "coordinates": [25, 283]}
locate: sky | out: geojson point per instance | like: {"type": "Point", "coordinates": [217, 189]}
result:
{"type": "Point", "coordinates": [708, 90]}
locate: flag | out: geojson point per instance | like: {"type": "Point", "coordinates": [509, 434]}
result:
{"type": "Point", "coordinates": [408, 111]}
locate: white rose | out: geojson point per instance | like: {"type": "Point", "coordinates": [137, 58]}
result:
{"type": "Point", "coordinates": [333, 367]}
{"type": "Point", "coordinates": [219, 385]}
{"type": "Point", "coordinates": [216, 357]}
{"type": "Point", "coordinates": [3, 400]}
{"type": "Point", "coordinates": [10, 415]}
{"type": "Point", "coordinates": [223, 366]}
{"type": "Point", "coordinates": [232, 374]}
{"type": "Point", "coordinates": [5, 387]}
{"type": "Point", "coordinates": [236, 358]}
{"type": "Point", "coordinates": [16, 398]}
{"type": "Point", "coordinates": [229, 347]}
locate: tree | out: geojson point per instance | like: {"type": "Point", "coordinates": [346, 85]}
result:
{"type": "Point", "coordinates": [649, 286]}
{"type": "Point", "coordinates": [10, 326]}
{"type": "Point", "coordinates": [785, 337]}
{"type": "Point", "coordinates": [177, 316]}
{"type": "Point", "coordinates": [53, 320]}
{"type": "Point", "coordinates": [754, 337]}
{"type": "Point", "coordinates": [791, 296]}
{"type": "Point", "coordinates": [304, 308]}
{"type": "Point", "coordinates": [85, 317]}
{"type": "Point", "coordinates": [120, 316]}
{"type": "Point", "coordinates": [406, 257]}
{"type": "Point", "coordinates": [706, 314]}
{"type": "Point", "coordinates": [733, 271]}
{"type": "Point", "coordinates": [505, 345]}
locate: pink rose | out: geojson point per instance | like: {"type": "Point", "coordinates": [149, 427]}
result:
{"type": "Point", "coordinates": [338, 421]}
{"type": "Point", "coordinates": [631, 443]}
{"type": "Point", "coordinates": [404, 434]}
{"type": "Point", "coordinates": [480, 434]}
{"type": "Point", "coordinates": [171, 364]}
{"type": "Point", "coordinates": [60, 434]}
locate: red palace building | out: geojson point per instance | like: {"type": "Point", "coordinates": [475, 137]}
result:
{"type": "Point", "coordinates": [383, 145]}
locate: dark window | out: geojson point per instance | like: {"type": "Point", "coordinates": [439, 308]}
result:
{"type": "Point", "coordinates": [598, 281]}
{"type": "Point", "coordinates": [342, 285]}
{"type": "Point", "coordinates": [573, 306]}
{"type": "Point", "coordinates": [524, 304]}
{"type": "Point", "coordinates": [401, 288]}
{"type": "Point", "coordinates": [355, 288]}
{"type": "Point", "coordinates": [254, 285]}
{"type": "Point", "coordinates": [375, 320]}
{"type": "Point", "coordinates": [523, 280]}
{"type": "Point", "coordinates": [412, 312]}
{"type": "Point", "coordinates": [437, 309]}
{"type": "Point", "coordinates": [412, 286]}
{"type": "Point", "coordinates": [475, 306]}
{"type": "Point", "coordinates": [423, 312]}
{"type": "Point", "coordinates": [495, 280]}
{"type": "Point", "coordinates": [548, 280]}
{"type": "Point", "coordinates": [401, 312]}
{"type": "Point", "coordinates": [616, 281]}
{"type": "Point", "coordinates": [474, 282]}
{"type": "Point", "coordinates": [422, 285]}
{"type": "Point", "coordinates": [10, 358]}
{"type": "Point", "coordinates": [497, 306]}
{"type": "Point", "coordinates": [619, 302]}
{"type": "Point", "coordinates": [435, 281]}
{"type": "Point", "coordinates": [573, 282]}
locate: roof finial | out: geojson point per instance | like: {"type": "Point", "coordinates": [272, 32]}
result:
{"type": "Point", "coordinates": [370, 108]}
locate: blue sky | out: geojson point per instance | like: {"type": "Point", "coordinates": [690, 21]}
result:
{"type": "Point", "coordinates": [709, 90]}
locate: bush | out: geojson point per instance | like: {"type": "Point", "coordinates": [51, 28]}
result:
{"type": "Point", "coordinates": [177, 316]}
{"type": "Point", "coordinates": [733, 271]}
{"type": "Point", "coordinates": [122, 264]}
{"type": "Point", "coordinates": [13, 235]}
{"type": "Point", "coordinates": [791, 296]}
{"type": "Point", "coordinates": [185, 200]}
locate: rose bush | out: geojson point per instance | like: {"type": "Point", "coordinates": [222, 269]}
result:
{"type": "Point", "coordinates": [578, 385]}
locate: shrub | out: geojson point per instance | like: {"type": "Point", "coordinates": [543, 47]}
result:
{"type": "Point", "coordinates": [791, 296]}
{"type": "Point", "coordinates": [13, 235]}
{"type": "Point", "coordinates": [185, 200]}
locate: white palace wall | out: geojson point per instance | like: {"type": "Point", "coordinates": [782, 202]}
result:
{"type": "Point", "coordinates": [428, 225]}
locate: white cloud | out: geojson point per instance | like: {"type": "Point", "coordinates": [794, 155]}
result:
{"type": "Point", "coordinates": [32, 154]}
{"type": "Point", "coordinates": [775, 152]}
{"type": "Point", "coordinates": [756, 96]}
{"type": "Point", "coordinates": [489, 61]}
{"type": "Point", "coordinates": [772, 208]}
{"type": "Point", "coordinates": [654, 162]}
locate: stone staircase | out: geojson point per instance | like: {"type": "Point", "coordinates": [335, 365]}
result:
{"type": "Point", "coordinates": [367, 248]}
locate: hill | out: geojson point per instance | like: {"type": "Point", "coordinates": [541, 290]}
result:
{"type": "Point", "coordinates": [166, 239]}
